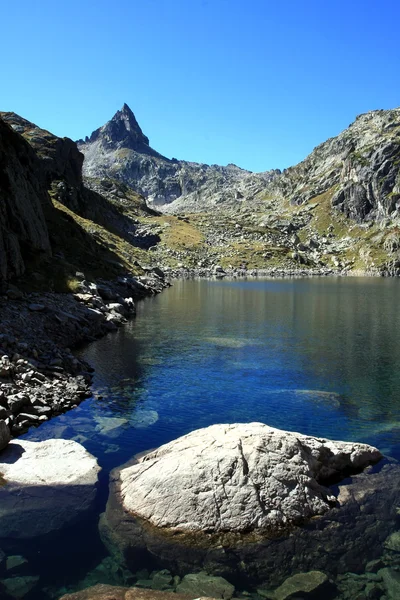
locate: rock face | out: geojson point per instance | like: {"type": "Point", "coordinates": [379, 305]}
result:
{"type": "Point", "coordinates": [23, 229]}
{"type": "Point", "coordinates": [249, 501]}
{"type": "Point", "coordinates": [121, 151]}
{"type": "Point", "coordinates": [238, 478]}
{"type": "Point", "coordinates": [47, 485]}
{"type": "Point", "coordinates": [361, 167]}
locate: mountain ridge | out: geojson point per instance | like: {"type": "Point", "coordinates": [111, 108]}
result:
{"type": "Point", "coordinates": [112, 151]}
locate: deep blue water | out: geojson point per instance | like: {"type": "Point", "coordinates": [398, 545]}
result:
{"type": "Point", "coordinates": [318, 356]}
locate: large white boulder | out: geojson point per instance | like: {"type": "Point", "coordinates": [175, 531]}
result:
{"type": "Point", "coordinates": [46, 485]}
{"type": "Point", "coordinates": [239, 477]}
{"type": "Point", "coordinates": [251, 501]}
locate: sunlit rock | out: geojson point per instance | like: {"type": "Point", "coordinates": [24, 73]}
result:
{"type": "Point", "coordinates": [47, 485]}
{"type": "Point", "coordinates": [238, 500]}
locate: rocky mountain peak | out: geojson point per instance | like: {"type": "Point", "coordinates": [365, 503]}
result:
{"type": "Point", "coordinates": [122, 131]}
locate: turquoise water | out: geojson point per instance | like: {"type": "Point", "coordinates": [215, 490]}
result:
{"type": "Point", "coordinates": [318, 356]}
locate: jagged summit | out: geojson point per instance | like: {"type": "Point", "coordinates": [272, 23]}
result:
{"type": "Point", "coordinates": [122, 131]}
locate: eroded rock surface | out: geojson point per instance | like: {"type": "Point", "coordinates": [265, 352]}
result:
{"type": "Point", "coordinates": [46, 485]}
{"type": "Point", "coordinates": [238, 478]}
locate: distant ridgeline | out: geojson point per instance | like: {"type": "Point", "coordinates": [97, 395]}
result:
{"type": "Point", "coordinates": [338, 210]}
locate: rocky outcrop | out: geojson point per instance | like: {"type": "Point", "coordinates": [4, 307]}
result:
{"type": "Point", "coordinates": [46, 486]}
{"type": "Point", "coordinates": [235, 500]}
{"type": "Point", "coordinates": [121, 151]}
{"type": "Point", "coordinates": [23, 230]}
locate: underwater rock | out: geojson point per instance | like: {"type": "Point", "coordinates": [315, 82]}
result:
{"type": "Point", "coordinates": [48, 485]}
{"type": "Point", "coordinates": [239, 500]}
{"type": "Point", "coordinates": [391, 582]}
{"type": "Point", "coordinates": [108, 592]}
{"type": "Point", "coordinates": [206, 585]}
{"type": "Point", "coordinates": [19, 587]}
{"type": "Point", "coordinates": [310, 585]}
{"type": "Point", "coordinates": [144, 418]}
{"type": "Point", "coordinates": [110, 426]}
{"type": "Point", "coordinates": [393, 542]}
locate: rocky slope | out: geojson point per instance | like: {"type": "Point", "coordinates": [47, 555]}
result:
{"type": "Point", "coordinates": [336, 211]}
{"type": "Point", "coordinates": [359, 167]}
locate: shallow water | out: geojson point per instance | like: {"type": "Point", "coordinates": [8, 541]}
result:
{"type": "Point", "coordinates": [318, 356]}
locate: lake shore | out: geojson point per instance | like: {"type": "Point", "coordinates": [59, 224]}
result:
{"type": "Point", "coordinates": [40, 377]}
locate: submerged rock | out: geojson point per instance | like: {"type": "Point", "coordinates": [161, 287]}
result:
{"type": "Point", "coordinates": [207, 585]}
{"type": "Point", "coordinates": [47, 485]}
{"type": "Point", "coordinates": [247, 500]}
{"type": "Point", "coordinates": [144, 418]}
{"type": "Point", "coordinates": [19, 587]}
{"type": "Point", "coordinates": [109, 592]}
{"type": "Point", "coordinates": [310, 585]}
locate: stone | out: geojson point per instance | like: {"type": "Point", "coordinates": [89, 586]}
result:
{"type": "Point", "coordinates": [49, 485]}
{"type": "Point", "coordinates": [238, 478]}
{"type": "Point", "coordinates": [19, 587]}
{"type": "Point", "coordinates": [143, 418]}
{"type": "Point", "coordinates": [392, 542]}
{"type": "Point", "coordinates": [373, 566]}
{"type": "Point", "coordinates": [110, 426]}
{"type": "Point", "coordinates": [391, 582]}
{"type": "Point", "coordinates": [162, 580]}
{"type": "Point", "coordinates": [109, 592]}
{"type": "Point", "coordinates": [5, 435]}
{"type": "Point", "coordinates": [36, 307]}
{"type": "Point", "coordinates": [17, 401]}
{"type": "Point", "coordinates": [210, 459]}
{"type": "Point", "coordinates": [203, 584]}
{"type": "Point", "coordinates": [313, 584]}
{"type": "Point", "coordinates": [15, 562]}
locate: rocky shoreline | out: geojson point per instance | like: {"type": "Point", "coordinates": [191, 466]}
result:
{"type": "Point", "coordinates": [40, 377]}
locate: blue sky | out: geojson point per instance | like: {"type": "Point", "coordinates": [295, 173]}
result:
{"type": "Point", "coordinates": [256, 83]}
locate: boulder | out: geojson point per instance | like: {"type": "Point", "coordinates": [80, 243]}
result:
{"type": "Point", "coordinates": [206, 585]}
{"type": "Point", "coordinates": [313, 584]}
{"type": "Point", "coordinates": [391, 582]}
{"type": "Point", "coordinates": [48, 485]}
{"type": "Point", "coordinates": [238, 478]}
{"type": "Point", "coordinates": [250, 502]}
{"type": "Point", "coordinates": [19, 587]}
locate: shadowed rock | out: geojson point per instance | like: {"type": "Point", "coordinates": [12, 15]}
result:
{"type": "Point", "coordinates": [109, 592]}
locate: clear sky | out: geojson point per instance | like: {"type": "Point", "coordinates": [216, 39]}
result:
{"type": "Point", "coordinates": [257, 83]}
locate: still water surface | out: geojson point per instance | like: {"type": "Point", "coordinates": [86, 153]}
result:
{"type": "Point", "coordinates": [318, 356]}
